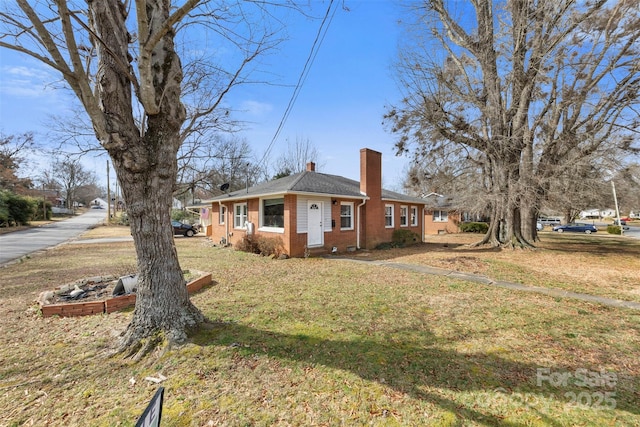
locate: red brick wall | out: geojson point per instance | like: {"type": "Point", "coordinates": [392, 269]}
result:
{"type": "Point", "coordinates": [253, 215]}
{"type": "Point", "coordinates": [382, 234]}
{"type": "Point", "coordinates": [452, 225]}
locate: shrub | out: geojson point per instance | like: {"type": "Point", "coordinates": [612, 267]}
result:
{"type": "Point", "coordinates": [474, 227]}
{"type": "Point", "coordinates": [613, 229]}
{"type": "Point", "coordinates": [388, 245]}
{"type": "Point", "coordinates": [265, 246]}
{"type": "Point", "coordinates": [405, 237]}
{"type": "Point", "coordinates": [121, 219]}
{"type": "Point", "coordinates": [183, 216]}
{"type": "Point", "coordinates": [16, 209]}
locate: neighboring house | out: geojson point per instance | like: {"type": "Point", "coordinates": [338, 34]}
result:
{"type": "Point", "coordinates": [99, 202]}
{"type": "Point", "coordinates": [317, 212]}
{"type": "Point", "coordinates": [440, 217]}
{"type": "Point", "coordinates": [597, 213]}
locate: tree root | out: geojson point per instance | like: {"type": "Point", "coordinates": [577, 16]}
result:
{"type": "Point", "coordinates": [136, 344]}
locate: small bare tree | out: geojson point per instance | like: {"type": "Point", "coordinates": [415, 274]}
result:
{"type": "Point", "coordinates": [225, 159]}
{"type": "Point", "coordinates": [70, 176]}
{"type": "Point", "coordinates": [295, 157]}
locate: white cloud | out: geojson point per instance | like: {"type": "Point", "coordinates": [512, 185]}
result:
{"type": "Point", "coordinates": [26, 82]}
{"type": "Point", "coordinates": [256, 108]}
{"type": "Point", "coordinates": [23, 71]}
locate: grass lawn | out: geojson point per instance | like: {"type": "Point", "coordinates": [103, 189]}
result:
{"type": "Point", "coordinates": [315, 342]}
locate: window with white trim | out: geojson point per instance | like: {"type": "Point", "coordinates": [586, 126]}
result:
{"type": "Point", "coordinates": [404, 210]}
{"type": "Point", "coordinates": [414, 216]}
{"type": "Point", "coordinates": [273, 213]}
{"type": "Point", "coordinates": [223, 214]}
{"type": "Point", "coordinates": [388, 216]}
{"type": "Point", "coordinates": [346, 215]}
{"type": "Point", "coordinates": [440, 216]}
{"type": "Point", "coordinates": [239, 215]}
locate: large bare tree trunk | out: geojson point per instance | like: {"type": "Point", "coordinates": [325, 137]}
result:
{"type": "Point", "coordinates": [145, 162]}
{"type": "Point", "coordinates": [130, 85]}
{"type": "Point", "coordinates": [528, 94]}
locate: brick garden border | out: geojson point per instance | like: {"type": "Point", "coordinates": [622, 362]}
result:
{"type": "Point", "coordinates": [111, 304]}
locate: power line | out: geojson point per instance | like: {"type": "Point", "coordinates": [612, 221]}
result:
{"type": "Point", "coordinates": [322, 31]}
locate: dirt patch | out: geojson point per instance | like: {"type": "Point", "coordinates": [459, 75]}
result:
{"type": "Point", "coordinates": [465, 263]}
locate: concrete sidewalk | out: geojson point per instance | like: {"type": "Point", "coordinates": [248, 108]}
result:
{"type": "Point", "coordinates": [554, 292]}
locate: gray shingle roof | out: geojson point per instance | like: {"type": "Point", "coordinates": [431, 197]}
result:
{"type": "Point", "coordinates": [311, 182]}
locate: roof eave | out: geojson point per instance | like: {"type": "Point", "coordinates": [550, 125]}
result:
{"type": "Point", "coordinates": [414, 201]}
{"type": "Point", "coordinates": [246, 196]}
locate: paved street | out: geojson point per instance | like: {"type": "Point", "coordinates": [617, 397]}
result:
{"type": "Point", "coordinates": [633, 231]}
{"type": "Point", "coordinates": [20, 243]}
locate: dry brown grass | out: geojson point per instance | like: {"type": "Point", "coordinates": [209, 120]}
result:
{"type": "Point", "coordinates": [319, 342]}
{"type": "Point", "coordinates": [601, 265]}
{"type": "Point", "coordinates": [106, 231]}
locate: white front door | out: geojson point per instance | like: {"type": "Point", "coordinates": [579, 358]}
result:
{"type": "Point", "coordinates": [315, 236]}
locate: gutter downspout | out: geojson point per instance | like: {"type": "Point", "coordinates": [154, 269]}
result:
{"type": "Point", "coordinates": [424, 213]}
{"type": "Point", "coordinates": [359, 222]}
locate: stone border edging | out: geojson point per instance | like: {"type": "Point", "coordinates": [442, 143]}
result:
{"type": "Point", "coordinates": [111, 304]}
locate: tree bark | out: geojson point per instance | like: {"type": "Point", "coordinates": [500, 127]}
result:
{"type": "Point", "coordinates": [145, 162]}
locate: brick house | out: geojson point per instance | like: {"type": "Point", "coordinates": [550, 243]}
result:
{"type": "Point", "coordinates": [316, 211]}
{"type": "Point", "coordinates": [440, 217]}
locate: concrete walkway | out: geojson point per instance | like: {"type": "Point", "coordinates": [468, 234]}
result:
{"type": "Point", "coordinates": [554, 292]}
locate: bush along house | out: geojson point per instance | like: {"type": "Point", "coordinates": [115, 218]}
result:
{"type": "Point", "coordinates": [312, 212]}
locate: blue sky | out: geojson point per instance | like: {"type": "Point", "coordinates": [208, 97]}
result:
{"type": "Point", "coordinates": [339, 108]}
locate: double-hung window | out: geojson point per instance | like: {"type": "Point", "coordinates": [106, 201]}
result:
{"type": "Point", "coordinates": [346, 215]}
{"type": "Point", "coordinates": [388, 216]}
{"type": "Point", "coordinates": [239, 215]}
{"type": "Point", "coordinates": [223, 214]}
{"type": "Point", "coordinates": [440, 216]}
{"type": "Point", "coordinates": [414, 216]}
{"type": "Point", "coordinates": [404, 220]}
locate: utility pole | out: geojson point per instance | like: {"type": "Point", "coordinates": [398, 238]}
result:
{"type": "Point", "coordinates": [615, 199]}
{"type": "Point", "coordinates": [44, 204]}
{"type": "Point", "coordinates": [108, 197]}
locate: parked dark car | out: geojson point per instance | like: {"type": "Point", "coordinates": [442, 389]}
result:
{"type": "Point", "coordinates": [183, 229]}
{"type": "Point", "coordinates": [576, 228]}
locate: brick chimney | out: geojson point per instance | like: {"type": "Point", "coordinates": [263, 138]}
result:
{"type": "Point", "coordinates": [311, 167]}
{"type": "Point", "coordinates": [371, 173]}
{"type": "Point", "coordinates": [373, 230]}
